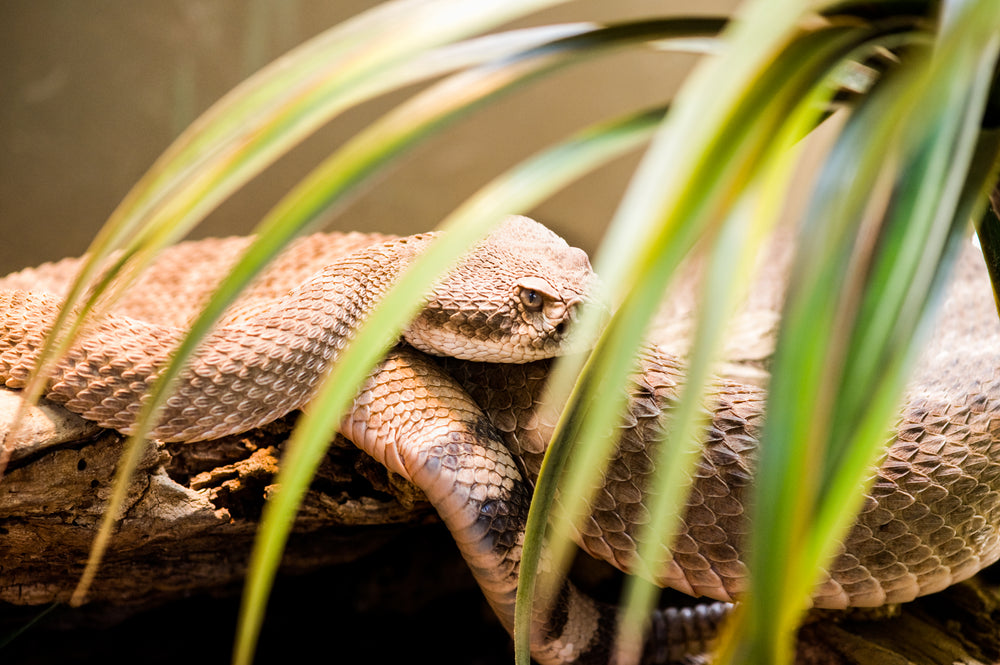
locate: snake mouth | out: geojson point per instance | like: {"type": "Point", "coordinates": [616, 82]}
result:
{"type": "Point", "coordinates": [564, 330]}
{"type": "Point", "coordinates": [569, 314]}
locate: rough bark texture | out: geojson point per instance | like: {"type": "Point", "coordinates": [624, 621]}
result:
{"type": "Point", "coordinates": [369, 569]}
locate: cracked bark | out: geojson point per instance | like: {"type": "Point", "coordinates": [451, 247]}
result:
{"type": "Point", "coordinates": [366, 547]}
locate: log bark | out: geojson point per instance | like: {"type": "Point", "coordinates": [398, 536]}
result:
{"type": "Point", "coordinates": [367, 550]}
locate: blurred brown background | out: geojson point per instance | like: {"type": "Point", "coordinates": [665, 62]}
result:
{"type": "Point", "coordinates": [93, 91]}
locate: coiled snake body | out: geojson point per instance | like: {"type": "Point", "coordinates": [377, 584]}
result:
{"type": "Point", "coordinates": [463, 431]}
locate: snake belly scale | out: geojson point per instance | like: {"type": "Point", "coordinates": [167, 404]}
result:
{"type": "Point", "coordinates": [464, 429]}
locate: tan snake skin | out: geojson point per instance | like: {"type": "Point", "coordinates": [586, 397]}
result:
{"type": "Point", "coordinates": [931, 519]}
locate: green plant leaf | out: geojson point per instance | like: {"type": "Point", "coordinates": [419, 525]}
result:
{"type": "Point", "coordinates": [370, 54]}
{"type": "Point", "coordinates": [340, 175]}
{"type": "Point", "coordinates": [728, 274]}
{"type": "Point", "coordinates": [264, 118]}
{"type": "Point", "coordinates": [843, 354]}
{"type": "Point", "coordinates": [527, 184]}
{"type": "Point", "coordinates": [701, 192]}
{"type": "Point", "coordinates": [346, 170]}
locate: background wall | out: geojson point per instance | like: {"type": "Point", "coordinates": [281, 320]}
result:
{"type": "Point", "coordinates": [93, 91]}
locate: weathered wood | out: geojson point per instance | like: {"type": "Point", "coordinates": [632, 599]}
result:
{"type": "Point", "coordinates": [187, 504]}
{"type": "Point", "coordinates": [959, 626]}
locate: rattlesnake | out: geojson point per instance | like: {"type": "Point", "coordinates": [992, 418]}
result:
{"type": "Point", "coordinates": [464, 431]}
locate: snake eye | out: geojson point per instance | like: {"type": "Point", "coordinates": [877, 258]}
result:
{"type": "Point", "coordinates": [531, 299]}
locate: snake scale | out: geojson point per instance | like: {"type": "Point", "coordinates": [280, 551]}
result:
{"type": "Point", "coordinates": [466, 428]}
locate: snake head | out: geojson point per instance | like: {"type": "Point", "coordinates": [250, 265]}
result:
{"type": "Point", "coordinates": [512, 299]}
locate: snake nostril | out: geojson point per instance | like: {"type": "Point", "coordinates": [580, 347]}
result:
{"type": "Point", "coordinates": [561, 328]}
